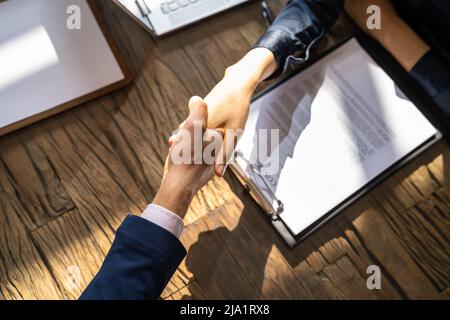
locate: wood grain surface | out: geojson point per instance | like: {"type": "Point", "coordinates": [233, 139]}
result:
{"type": "Point", "coordinates": [68, 182]}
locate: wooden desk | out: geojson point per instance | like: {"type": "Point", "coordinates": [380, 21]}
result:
{"type": "Point", "coordinates": [67, 183]}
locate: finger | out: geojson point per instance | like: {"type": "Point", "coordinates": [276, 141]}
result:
{"type": "Point", "coordinates": [231, 139]}
{"type": "Point", "coordinates": [173, 139]}
{"type": "Point", "coordinates": [175, 135]}
{"type": "Point", "coordinates": [198, 110]}
{"type": "Point", "coordinates": [212, 142]}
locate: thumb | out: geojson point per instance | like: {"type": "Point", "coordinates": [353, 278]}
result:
{"type": "Point", "coordinates": [198, 110]}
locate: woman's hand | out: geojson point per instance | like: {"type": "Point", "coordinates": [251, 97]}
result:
{"type": "Point", "coordinates": [228, 106]}
{"type": "Point", "coordinates": [229, 101]}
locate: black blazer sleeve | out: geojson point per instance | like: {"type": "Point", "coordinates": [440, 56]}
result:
{"type": "Point", "coordinates": [142, 259]}
{"type": "Point", "coordinates": [432, 72]}
{"type": "Point", "coordinates": [300, 24]}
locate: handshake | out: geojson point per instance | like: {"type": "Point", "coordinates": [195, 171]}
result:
{"type": "Point", "coordinates": [204, 143]}
{"type": "Point", "coordinates": [196, 153]}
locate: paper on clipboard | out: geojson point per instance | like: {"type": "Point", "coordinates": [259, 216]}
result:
{"type": "Point", "coordinates": [342, 122]}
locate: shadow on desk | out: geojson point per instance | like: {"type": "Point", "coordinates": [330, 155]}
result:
{"type": "Point", "coordinates": [242, 256]}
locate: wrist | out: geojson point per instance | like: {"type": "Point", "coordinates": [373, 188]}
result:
{"type": "Point", "coordinates": [253, 68]}
{"type": "Point", "coordinates": [389, 30]}
{"type": "Point", "coordinates": [173, 197]}
{"type": "Point", "coordinates": [403, 43]}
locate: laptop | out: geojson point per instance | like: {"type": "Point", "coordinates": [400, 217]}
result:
{"type": "Point", "coordinates": [164, 16]}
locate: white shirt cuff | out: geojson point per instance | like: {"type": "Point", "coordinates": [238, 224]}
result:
{"type": "Point", "coordinates": [164, 218]}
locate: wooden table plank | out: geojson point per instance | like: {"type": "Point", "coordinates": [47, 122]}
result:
{"type": "Point", "coordinates": [74, 250]}
{"type": "Point", "coordinates": [35, 182]}
{"type": "Point", "coordinates": [23, 272]}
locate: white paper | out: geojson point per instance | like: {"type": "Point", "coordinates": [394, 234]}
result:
{"type": "Point", "coordinates": [346, 121]}
{"type": "Point", "coordinates": [43, 64]}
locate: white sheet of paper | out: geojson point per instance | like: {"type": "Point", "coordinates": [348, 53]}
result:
{"type": "Point", "coordinates": [43, 64]}
{"type": "Point", "coordinates": [342, 122]}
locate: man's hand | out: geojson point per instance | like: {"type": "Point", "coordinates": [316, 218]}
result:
{"type": "Point", "coordinates": [185, 174]}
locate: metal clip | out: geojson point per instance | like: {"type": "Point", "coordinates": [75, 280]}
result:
{"type": "Point", "coordinates": [257, 169]}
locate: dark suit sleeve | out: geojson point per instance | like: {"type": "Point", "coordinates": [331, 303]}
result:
{"type": "Point", "coordinates": [142, 259]}
{"type": "Point", "coordinates": [300, 24]}
{"type": "Point", "coordinates": [432, 72]}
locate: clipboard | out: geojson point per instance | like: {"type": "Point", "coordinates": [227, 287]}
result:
{"type": "Point", "coordinates": [412, 90]}
{"type": "Point", "coordinates": [127, 78]}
